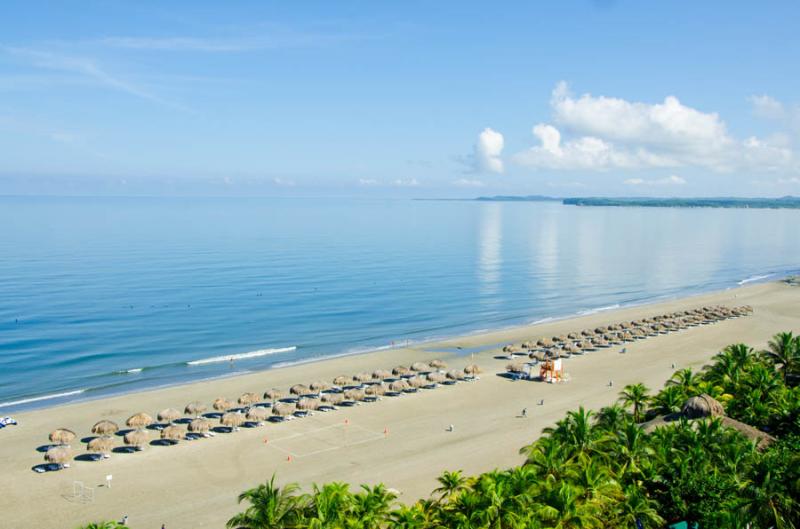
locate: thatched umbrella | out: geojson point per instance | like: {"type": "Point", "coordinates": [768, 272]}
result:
{"type": "Point", "coordinates": [511, 348]}
{"type": "Point", "coordinates": [562, 338]}
{"type": "Point", "coordinates": [232, 419]}
{"type": "Point", "coordinates": [472, 369]}
{"type": "Point", "coordinates": [601, 330]}
{"type": "Point", "coordinates": [201, 425]}
{"type": "Point", "coordinates": [139, 420]}
{"type": "Point", "coordinates": [273, 394]}
{"type": "Point", "coordinates": [363, 377]}
{"type": "Point", "coordinates": [319, 386]}
{"type": "Point", "coordinates": [62, 436]}
{"type": "Point", "coordinates": [539, 355]}
{"type": "Point", "coordinates": [375, 390]}
{"type": "Point", "coordinates": [702, 406]}
{"type": "Point", "coordinates": [195, 408]}
{"type": "Point", "coordinates": [335, 398]}
{"type": "Point", "coordinates": [60, 455]}
{"type": "Point", "coordinates": [105, 427]}
{"type": "Point", "coordinates": [136, 438]}
{"type": "Point", "coordinates": [354, 394]}
{"type": "Point", "coordinates": [173, 433]}
{"type": "Point", "coordinates": [380, 374]}
{"type": "Point", "coordinates": [437, 364]}
{"type": "Point", "coordinates": [573, 335]}
{"type": "Point", "coordinates": [436, 377]}
{"type": "Point", "coordinates": [168, 415]}
{"type": "Point", "coordinates": [587, 332]}
{"type": "Point", "coordinates": [627, 336]}
{"type": "Point", "coordinates": [516, 367]}
{"type": "Point", "coordinates": [545, 342]}
{"type": "Point", "coordinates": [257, 414]}
{"type": "Point", "coordinates": [222, 404]}
{"type": "Point", "coordinates": [417, 382]}
{"type": "Point", "coordinates": [299, 389]}
{"type": "Point", "coordinates": [248, 398]}
{"type": "Point", "coordinates": [101, 445]}
{"type": "Point", "coordinates": [307, 404]}
{"type": "Point", "coordinates": [420, 366]}
{"type": "Point", "coordinates": [455, 374]}
{"type": "Point", "coordinates": [343, 380]}
{"type": "Point", "coordinates": [398, 385]}
{"type": "Point", "coordinates": [282, 409]}
{"type": "Point", "coordinates": [400, 371]}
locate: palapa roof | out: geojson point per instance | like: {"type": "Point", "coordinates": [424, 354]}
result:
{"type": "Point", "coordinates": [363, 377]}
{"type": "Point", "coordinates": [199, 426]}
{"type": "Point", "coordinates": [232, 419]}
{"type": "Point", "coordinates": [136, 438]}
{"type": "Point", "coordinates": [375, 389]}
{"type": "Point", "coordinates": [437, 364]}
{"type": "Point", "coordinates": [343, 380]}
{"type": "Point", "coordinates": [515, 367]}
{"type": "Point", "coordinates": [168, 415]}
{"type": "Point", "coordinates": [246, 399]}
{"type": "Point", "coordinates": [282, 409]}
{"type": "Point", "coordinates": [307, 404]}
{"type": "Point", "coordinates": [472, 369]}
{"type": "Point", "coordinates": [195, 408]}
{"type": "Point", "coordinates": [101, 445]}
{"type": "Point", "coordinates": [173, 432]}
{"type": "Point", "coordinates": [334, 398]}
{"type": "Point", "coordinates": [400, 370]}
{"type": "Point", "coordinates": [436, 377]}
{"type": "Point", "coordinates": [354, 394]}
{"type": "Point", "coordinates": [105, 427]}
{"type": "Point", "coordinates": [420, 366]}
{"type": "Point", "coordinates": [299, 389]}
{"type": "Point", "coordinates": [417, 382]}
{"type": "Point", "coordinates": [319, 386]}
{"type": "Point", "coordinates": [257, 414]}
{"type": "Point", "coordinates": [273, 394]}
{"type": "Point", "coordinates": [139, 420]}
{"type": "Point", "coordinates": [455, 374]}
{"type": "Point", "coordinates": [62, 436]}
{"type": "Point", "coordinates": [58, 455]}
{"type": "Point", "coordinates": [380, 374]}
{"type": "Point", "coordinates": [222, 404]}
{"type": "Point", "coordinates": [398, 385]}
{"type": "Point", "coordinates": [702, 406]}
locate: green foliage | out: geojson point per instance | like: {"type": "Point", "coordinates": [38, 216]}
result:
{"type": "Point", "coordinates": [599, 470]}
{"type": "Point", "coordinates": [103, 525]}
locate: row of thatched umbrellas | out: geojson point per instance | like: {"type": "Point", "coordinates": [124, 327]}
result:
{"type": "Point", "coordinates": [564, 346]}
{"type": "Point", "coordinates": [362, 387]}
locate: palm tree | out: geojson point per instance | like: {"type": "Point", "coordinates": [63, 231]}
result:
{"type": "Point", "coordinates": [271, 507]}
{"type": "Point", "coordinates": [686, 380]}
{"type": "Point", "coordinates": [450, 483]}
{"type": "Point", "coordinates": [328, 506]}
{"type": "Point", "coordinates": [669, 400]}
{"type": "Point", "coordinates": [611, 418]}
{"type": "Point", "coordinates": [372, 507]}
{"type": "Point", "coordinates": [784, 352]}
{"type": "Point", "coordinates": [103, 525]}
{"type": "Point", "coordinates": [635, 506]}
{"type": "Point", "coordinates": [634, 395]}
{"type": "Point", "coordinates": [561, 507]}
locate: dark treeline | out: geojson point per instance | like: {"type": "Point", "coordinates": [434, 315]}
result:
{"type": "Point", "coordinates": [761, 203]}
{"type": "Point", "coordinates": [603, 469]}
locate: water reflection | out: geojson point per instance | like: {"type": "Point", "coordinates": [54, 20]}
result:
{"type": "Point", "coordinates": [490, 240]}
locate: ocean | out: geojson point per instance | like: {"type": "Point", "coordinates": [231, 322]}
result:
{"type": "Point", "coordinates": [110, 295]}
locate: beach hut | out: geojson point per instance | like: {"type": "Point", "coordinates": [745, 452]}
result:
{"type": "Point", "coordinates": [400, 371]}
{"type": "Point", "coordinates": [335, 398]}
{"type": "Point", "coordinates": [195, 408]}
{"type": "Point", "coordinates": [307, 404]}
{"type": "Point", "coordinates": [248, 399]}
{"type": "Point", "coordinates": [168, 415]}
{"type": "Point", "coordinates": [273, 394]}
{"type": "Point", "coordinates": [172, 433]}
{"type": "Point", "coordinates": [257, 414]}
{"type": "Point", "coordinates": [59, 455]}
{"type": "Point", "coordinates": [319, 386]}
{"type": "Point", "coordinates": [61, 436]}
{"type": "Point", "coordinates": [702, 406]}
{"type": "Point", "coordinates": [136, 439]}
{"type": "Point", "coordinates": [102, 445]}
{"type": "Point", "coordinates": [222, 404]}
{"type": "Point", "coordinates": [472, 369]}
{"type": "Point", "coordinates": [232, 420]}
{"type": "Point", "coordinates": [201, 426]}
{"type": "Point", "coordinates": [139, 420]}
{"type": "Point", "coordinates": [105, 427]}
{"type": "Point", "coordinates": [282, 409]}
{"type": "Point", "coordinates": [437, 364]}
{"type": "Point", "coordinates": [343, 380]}
{"type": "Point", "coordinates": [299, 389]}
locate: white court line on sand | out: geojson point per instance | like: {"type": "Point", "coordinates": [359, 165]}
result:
{"type": "Point", "coordinates": [373, 436]}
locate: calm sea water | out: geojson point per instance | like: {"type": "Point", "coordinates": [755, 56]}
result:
{"type": "Point", "coordinates": [104, 295]}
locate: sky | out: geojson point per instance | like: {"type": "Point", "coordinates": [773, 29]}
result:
{"type": "Point", "coordinates": [400, 99]}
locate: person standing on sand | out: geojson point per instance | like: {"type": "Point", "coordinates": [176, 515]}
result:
{"type": "Point", "coordinates": [524, 413]}
{"type": "Point", "coordinates": [124, 520]}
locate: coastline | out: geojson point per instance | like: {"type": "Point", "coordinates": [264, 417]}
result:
{"type": "Point", "coordinates": [89, 394]}
{"type": "Point", "coordinates": [401, 442]}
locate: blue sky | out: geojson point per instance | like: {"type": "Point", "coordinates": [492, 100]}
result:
{"type": "Point", "coordinates": [400, 99]}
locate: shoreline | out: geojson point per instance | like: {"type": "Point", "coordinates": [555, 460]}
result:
{"type": "Point", "coordinates": [83, 395]}
{"type": "Point", "coordinates": [403, 442]}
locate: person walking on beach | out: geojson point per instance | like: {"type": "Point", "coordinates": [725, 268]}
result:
{"type": "Point", "coordinates": [524, 413]}
{"type": "Point", "coordinates": [124, 520]}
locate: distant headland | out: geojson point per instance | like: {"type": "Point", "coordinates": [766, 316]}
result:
{"type": "Point", "coordinates": [787, 202]}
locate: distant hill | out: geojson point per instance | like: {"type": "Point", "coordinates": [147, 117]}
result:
{"type": "Point", "coordinates": [788, 202]}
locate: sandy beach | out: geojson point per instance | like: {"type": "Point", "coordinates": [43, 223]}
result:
{"type": "Point", "coordinates": [401, 441]}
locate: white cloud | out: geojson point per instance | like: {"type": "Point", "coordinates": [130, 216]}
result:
{"type": "Point", "coordinates": [488, 151]}
{"type": "Point", "coordinates": [466, 182]}
{"type": "Point", "coordinates": [367, 182]}
{"type": "Point", "coordinates": [670, 180]}
{"type": "Point", "coordinates": [765, 106]}
{"type": "Point", "coordinates": [605, 133]}
{"type": "Point", "coordinates": [408, 182]}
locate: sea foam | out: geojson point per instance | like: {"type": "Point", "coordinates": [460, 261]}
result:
{"type": "Point", "coordinates": [240, 356]}
{"type": "Point", "coordinates": [754, 278]}
{"type": "Point", "coordinates": [43, 397]}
